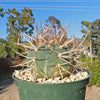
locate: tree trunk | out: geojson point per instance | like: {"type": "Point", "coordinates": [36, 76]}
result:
{"type": "Point", "coordinates": [91, 51]}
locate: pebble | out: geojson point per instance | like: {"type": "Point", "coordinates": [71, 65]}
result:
{"type": "Point", "coordinates": [49, 80]}
{"type": "Point", "coordinates": [39, 80]}
{"type": "Point", "coordinates": [27, 75]}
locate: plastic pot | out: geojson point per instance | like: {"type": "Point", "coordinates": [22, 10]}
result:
{"type": "Point", "coordinates": [58, 91]}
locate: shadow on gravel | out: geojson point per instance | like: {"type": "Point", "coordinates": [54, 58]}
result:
{"type": "Point", "coordinates": [6, 73]}
{"type": "Point", "coordinates": [2, 89]}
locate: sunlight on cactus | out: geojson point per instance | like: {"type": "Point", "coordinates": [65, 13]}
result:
{"type": "Point", "coordinates": [51, 53]}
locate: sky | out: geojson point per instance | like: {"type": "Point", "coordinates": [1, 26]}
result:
{"type": "Point", "coordinates": [67, 11]}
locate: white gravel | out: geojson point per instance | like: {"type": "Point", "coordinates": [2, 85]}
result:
{"type": "Point", "coordinates": [27, 76]}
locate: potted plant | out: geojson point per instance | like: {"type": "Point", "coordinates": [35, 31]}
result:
{"type": "Point", "coordinates": [50, 70]}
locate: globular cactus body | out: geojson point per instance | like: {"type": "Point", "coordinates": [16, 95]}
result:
{"type": "Point", "coordinates": [47, 60]}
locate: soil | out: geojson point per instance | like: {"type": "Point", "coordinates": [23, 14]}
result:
{"type": "Point", "coordinates": [9, 91]}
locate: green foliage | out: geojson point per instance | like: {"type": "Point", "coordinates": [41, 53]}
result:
{"type": "Point", "coordinates": [20, 21]}
{"type": "Point", "coordinates": [86, 23]}
{"type": "Point", "coordinates": [94, 69]}
{"type": "Point", "coordinates": [6, 48]}
{"type": "Point", "coordinates": [54, 21]}
{"type": "Point", "coordinates": [96, 23]}
{"type": "Point", "coordinates": [3, 51]}
{"type": "Point", "coordinates": [89, 27]}
{"type": "Point", "coordinates": [1, 12]}
{"type": "Point", "coordinates": [94, 32]}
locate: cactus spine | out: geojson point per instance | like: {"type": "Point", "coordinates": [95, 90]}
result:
{"type": "Point", "coordinates": [51, 53]}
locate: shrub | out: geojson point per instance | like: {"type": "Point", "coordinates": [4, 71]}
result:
{"type": "Point", "coordinates": [94, 69]}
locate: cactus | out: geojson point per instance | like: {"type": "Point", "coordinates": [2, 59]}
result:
{"type": "Point", "coordinates": [51, 53]}
{"type": "Point", "coordinates": [46, 60]}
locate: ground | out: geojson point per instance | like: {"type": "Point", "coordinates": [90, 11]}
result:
{"type": "Point", "coordinates": [9, 91]}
